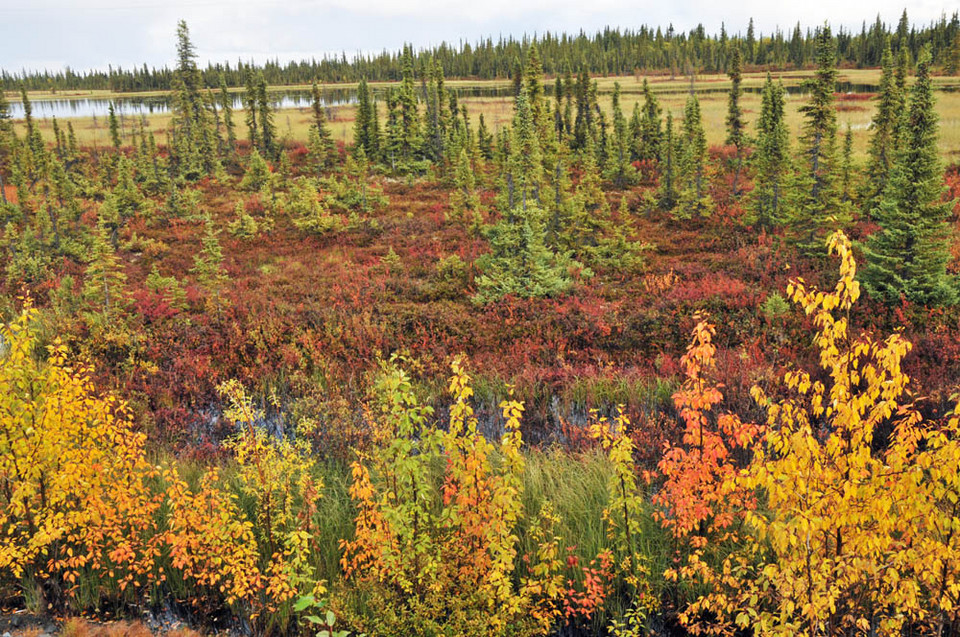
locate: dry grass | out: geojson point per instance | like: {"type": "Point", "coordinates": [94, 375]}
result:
{"type": "Point", "coordinates": [82, 628]}
{"type": "Point", "coordinates": [294, 123]}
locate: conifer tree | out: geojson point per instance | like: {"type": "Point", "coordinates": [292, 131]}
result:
{"type": "Point", "coordinates": [694, 200]}
{"type": "Point", "coordinates": [884, 126]}
{"type": "Point", "coordinates": [268, 130]}
{"type": "Point", "coordinates": [847, 168]}
{"type": "Point", "coordinates": [909, 254]}
{"type": "Point", "coordinates": [484, 140]}
{"type": "Point", "coordinates": [226, 107]}
{"type": "Point", "coordinates": [7, 141]}
{"type": "Point", "coordinates": [819, 211]}
{"type": "Point", "coordinates": [192, 138]}
{"type": "Point", "coordinates": [322, 146]}
{"type": "Point", "coordinates": [208, 263]}
{"type": "Point", "coordinates": [650, 130]}
{"type": "Point", "coordinates": [900, 82]}
{"type": "Point", "coordinates": [736, 127]}
{"type": "Point", "coordinates": [619, 169]}
{"type": "Point", "coordinates": [409, 118]}
{"type": "Point", "coordinates": [583, 125]}
{"type": "Point", "coordinates": [521, 262]}
{"type": "Point", "coordinates": [114, 127]}
{"type": "Point", "coordinates": [250, 105]}
{"type": "Point", "coordinates": [464, 200]}
{"type": "Point", "coordinates": [361, 122]}
{"type": "Point", "coordinates": [771, 160]}
{"type": "Point", "coordinates": [526, 163]}
{"type": "Point", "coordinates": [436, 117]}
{"type": "Point", "coordinates": [668, 180]}
{"type": "Point", "coordinates": [258, 172]}
{"type": "Point", "coordinates": [104, 279]}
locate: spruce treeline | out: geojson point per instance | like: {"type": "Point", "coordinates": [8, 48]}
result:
{"type": "Point", "coordinates": [609, 51]}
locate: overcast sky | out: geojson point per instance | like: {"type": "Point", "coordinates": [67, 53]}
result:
{"type": "Point", "coordinates": [87, 34]}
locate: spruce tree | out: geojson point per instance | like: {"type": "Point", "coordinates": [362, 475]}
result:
{"type": "Point", "coordinates": [208, 263]}
{"type": "Point", "coordinates": [771, 160]}
{"type": "Point", "coordinates": [464, 200]}
{"type": "Point", "coordinates": [526, 163]}
{"type": "Point", "coordinates": [694, 200]}
{"type": "Point", "coordinates": [226, 107]}
{"type": "Point", "coordinates": [104, 279]}
{"type": "Point", "coordinates": [114, 127]}
{"type": "Point", "coordinates": [667, 194]}
{"type": "Point", "coordinates": [322, 147]}
{"type": "Point", "coordinates": [521, 262]}
{"type": "Point", "coordinates": [908, 256]}
{"type": "Point", "coordinates": [257, 174]}
{"type": "Point", "coordinates": [847, 168]}
{"type": "Point", "coordinates": [191, 130]}
{"type": "Point", "coordinates": [819, 210]}
{"type": "Point", "coordinates": [7, 142]}
{"type": "Point", "coordinates": [651, 132]}
{"type": "Point", "coordinates": [268, 130]}
{"type": "Point", "coordinates": [250, 105]}
{"type": "Point", "coordinates": [736, 127]}
{"type": "Point", "coordinates": [409, 119]}
{"type": "Point", "coordinates": [884, 126]}
{"type": "Point", "coordinates": [361, 122]}
{"type": "Point", "coordinates": [484, 140]}
{"type": "Point", "coordinates": [619, 169]}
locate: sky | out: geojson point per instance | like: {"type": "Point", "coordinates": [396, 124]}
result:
{"type": "Point", "coordinates": [86, 34]}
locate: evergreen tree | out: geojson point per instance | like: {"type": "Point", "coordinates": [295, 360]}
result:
{"type": "Point", "coordinates": [114, 127]}
{"type": "Point", "coordinates": [909, 254]}
{"type": "Point", "coordinates": [250, 105]}
{"type": "Point", "coordinates": [847, 168]}
{"type": "Point", "coordinates": [651, 132]}
{"type": "Point", "coordinates": [364, 116]}
{"type": "Point", "coordinates": [208, 263]}
{"type": "Point", "coordinates": [258, 172]}
{"type": "Point", "coordinates": [521, 262]}
{"type": "Point", "coordinates": [525, 164]}
{"type": "Point", "coordinates": [694, 200]}
{"type": "Point", "coordinates": [736, 127]}
{"type": "Point", "coordinates": [883, 141]}
{"type": "Point", "coordinates": [322, 147]}
{"type": "Point", "coordinates": [7, 142]}
{"type": "Point", "coordinates": [668, 182]}
{"type": "Point", "coordinates": [191, 132]}
{"type": "Point", "coordinates": [771, 160]}
{"type": "Point", "coordinates": [819, 211]}
{"type": "Point", "coordinates": [484, 140]}
{"type": "Point", "coordinates": [619, 169]}
{"type": "Point", "coordinates": [464, 200]}
{"type": "Point", "coordinates": [268, 130]}
{"type": "Point", "coordinates": [104, 279]}
{"type": "Point", "coordinates": [226, 107]}
{"type": "Point", "coordinates": [409, 119]}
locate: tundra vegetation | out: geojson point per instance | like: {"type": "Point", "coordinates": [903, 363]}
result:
{"type": "Point", "coordinates": [581, 373]}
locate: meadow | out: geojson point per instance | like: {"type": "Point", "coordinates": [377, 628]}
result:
{"type": "Point", "coordinates": [855, 108]}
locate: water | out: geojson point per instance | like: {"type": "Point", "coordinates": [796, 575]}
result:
{"type": "Point", "coordinates": [333, 97]}
{"type": "Point", "coordinates": [160, 105]}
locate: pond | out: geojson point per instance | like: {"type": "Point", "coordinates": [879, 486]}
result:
{"type": "Point", "coordinates": [332, 97]}
{"type": "Point", "coordinates": [160, 104]}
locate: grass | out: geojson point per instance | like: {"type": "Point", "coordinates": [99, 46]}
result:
{"type": "Point", "coordinates": [294, 123]}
